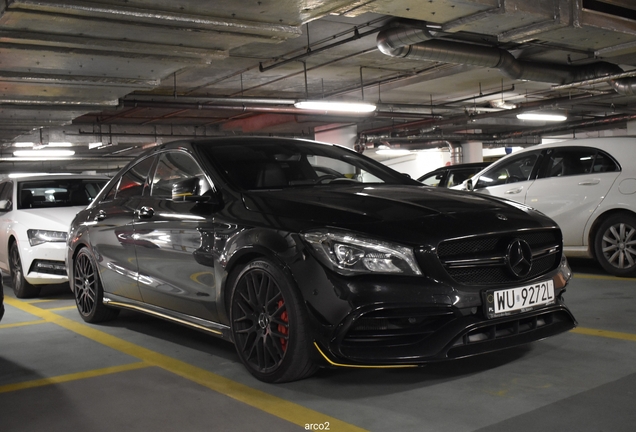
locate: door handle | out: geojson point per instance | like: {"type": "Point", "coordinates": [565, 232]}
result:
{"type": "Point", "coordinates": [590, 182]}
{"type": "Point", "coordinates": [145, 212]}
{"type": "Point", "coordinates": [513, 191]}
{"type": "Point", "coordinates": [100, 216]}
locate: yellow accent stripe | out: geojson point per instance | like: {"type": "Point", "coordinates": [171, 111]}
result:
{"type": "Point", "coordinates": [164, 316]}
{"type": "Point", "coordinates": [605, 333]}
{"type": "Point", "coordinates": [21, 324]}
{"type": "Point", "coordinates": [281, 408]}
{"type": "Point", "coordinates": [602, 277]}
{"type": "Point", "coordinates": [38, 301]}
{"type": "Point", "coordinates": [361, 366]}
{"type": "Point", "coordinates": [71, 377]}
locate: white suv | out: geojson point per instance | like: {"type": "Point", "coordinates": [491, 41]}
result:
{"type": "Point", "coordinates": [35, 214]}
{"type": "Point", "coordinates": [587, 186]}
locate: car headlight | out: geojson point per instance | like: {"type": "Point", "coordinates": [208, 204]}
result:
{"type": "Point", "coordinates": [351, 254]}
{"type": "Point", "coordinates": [37, 237]}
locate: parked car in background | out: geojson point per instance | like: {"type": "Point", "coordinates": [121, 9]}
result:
{"type": "Point", "coordinates": [452, 175]}
{"type": "Point", "coordinates": [243, 238]}
{"type": "Point", "coordinates": [35, 214]}
{"type": "Point", "coordinates": [588, 186]}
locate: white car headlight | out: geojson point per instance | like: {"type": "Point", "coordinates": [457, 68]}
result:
{"type": "Point", "coordinates": [37, 237]}
{"type": "Point", "coordinates": [351, 254]}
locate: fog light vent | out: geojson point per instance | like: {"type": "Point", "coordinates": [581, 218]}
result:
{"type": "Point", "coordinates": [49, 267]}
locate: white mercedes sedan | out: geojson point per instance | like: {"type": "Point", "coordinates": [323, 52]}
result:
{"type": "Point", "coordinates": [587, 186]}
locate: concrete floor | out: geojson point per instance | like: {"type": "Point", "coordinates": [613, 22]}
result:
{"type": "Point", "coordinates": [142, 374]}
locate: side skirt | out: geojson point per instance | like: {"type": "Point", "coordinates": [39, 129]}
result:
{"type": "Point", "coordinates": [216, 329]}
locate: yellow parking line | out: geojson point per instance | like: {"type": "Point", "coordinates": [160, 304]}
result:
{"type": "Point", "coordinates": [39, 301]}
{"type": "Point", "coordinates": [602, 277]}
{"type": "Point", "coordinates": [23, 323]}
{"type": "Point", "coordinates": [605, 333]}
{"type": "Point", "coordinates": [281, 408]}
{"type": "Point", "coordinates": [62, 308]}
{"type": "Point", "coordinates": [71, 377]}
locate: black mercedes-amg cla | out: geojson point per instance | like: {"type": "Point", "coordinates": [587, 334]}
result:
{"type": "Point", "coordinates": [307, 254]}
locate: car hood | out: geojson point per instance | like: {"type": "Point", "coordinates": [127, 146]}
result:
{"type": "Point", "coordinates": [404, 213]}
{"type": "Point", "coordinates": [54, 219]}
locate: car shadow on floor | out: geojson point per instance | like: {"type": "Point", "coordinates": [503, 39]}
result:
{"type": "Point", "coordinates": [586, 266]}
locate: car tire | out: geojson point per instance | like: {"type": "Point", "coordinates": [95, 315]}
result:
{"type": "Point", "coordinates": [268, 323]}
{"type": "Point", "coordinates": [615, 244]}
{"type": "Point", "coordinates": [88, 289]}
{"type": "Point", "coordinates": [21, 287]}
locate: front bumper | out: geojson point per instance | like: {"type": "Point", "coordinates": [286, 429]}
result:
{"type": "Point", "coordinates": [44, 263]}
{"type": "Point", "coordinates": [412, 322]}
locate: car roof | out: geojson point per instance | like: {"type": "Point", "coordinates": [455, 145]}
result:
{"type": "Point", "coordinates": [28, 177]}
{"type": "Point", "coordinates": [616, 146]}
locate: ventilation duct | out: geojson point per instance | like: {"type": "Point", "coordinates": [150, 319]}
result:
{"type": "Point", "coordinates": [404, 39]}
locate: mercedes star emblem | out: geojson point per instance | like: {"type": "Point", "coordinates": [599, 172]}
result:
{"type": "Point", "coordinates": [519, 258]}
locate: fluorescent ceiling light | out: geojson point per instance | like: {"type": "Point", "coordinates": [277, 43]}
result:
{"type": "Point", "coordinates": [541, 116]}
{"type": "Point", "coordinates": [94, 145]}
{"type": "Point", "coordinates": [43, 153]}
{"type": "Point", "coordinates": [59, 144]}
{"type": "Point", "coordinates": [23, 144]}
{"type": "Point", "coordinates": [393, 152]}
{"type": "Point", "coordinates": [351, 107]}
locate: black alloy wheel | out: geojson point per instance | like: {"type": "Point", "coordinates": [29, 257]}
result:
{"type": "Point", "coordinates": [21, 287]}
{"type": "Point", "coordinates": [268, 324]}
{"type": "Point", "coordinates": [88, 290]}
{"type": "Point", "coordinates": [615, 244]}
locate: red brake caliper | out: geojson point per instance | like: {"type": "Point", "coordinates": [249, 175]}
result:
{"type": "Point", "coordinates": [281, 328]}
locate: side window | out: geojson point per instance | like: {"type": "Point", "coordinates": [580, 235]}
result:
{"type": "Point", "coordinates": [433, 179]}
{"type": "Point", "coordinates": [6, 195]}
{"type": "Point", "coordinates": [459, 176]}
{"type": "Point", "coordinates": [602, 163]}
{"type": "Point", "coordinates": [513, 170]}
{"type": "Point", "coordinates": [132, 182]}
{"type": "Point", "coordinates": [178, 175]}
{"type": "Point", "coordinates": [566, 161]}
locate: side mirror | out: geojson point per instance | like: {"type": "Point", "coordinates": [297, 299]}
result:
{"type": "Point", "coordinates": [190, 190]}
{"type": "Point", "coordinates": [5, 205]}
{"type": "Point", "coordinates": [469, 185]}
{"type": "Point", "coordinates": [184, 189]}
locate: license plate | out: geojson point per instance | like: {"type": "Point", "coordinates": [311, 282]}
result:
{"type": "Point", "coordinates": [521, 299]}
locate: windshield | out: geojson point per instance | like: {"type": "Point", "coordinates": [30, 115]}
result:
{"type": "Point", "coordinates": [58, 193]}
{"type": "Point", "coordinates": [282, 164]}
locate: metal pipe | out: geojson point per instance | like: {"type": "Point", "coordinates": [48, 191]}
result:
{"type": "Point", "coordinates": [419, 44]}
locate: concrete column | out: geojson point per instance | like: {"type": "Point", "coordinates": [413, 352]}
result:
{"type": "Point", "coordinates": [345, 135]}
{"type": "Point", "coordinates": [631, 128]}
{"type": "Point", "coordinates": [472, 152]}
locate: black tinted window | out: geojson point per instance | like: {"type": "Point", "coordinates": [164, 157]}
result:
{"type": "Point", "coordinates": [6, 195]}
{"type": "Point", "coordinates": [604, 163]}
{"type": "Point", "coordinates": [286, 163]}
{"type": "Point", "coordinates": [132, 182]}
{"type": "Point", "coordinates": [6, 191]}
{"type": "Point", "coordinates": [566, 161]}
{"type": "Point", "coordinates": [57, 193]}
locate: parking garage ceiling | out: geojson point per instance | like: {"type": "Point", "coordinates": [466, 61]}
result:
{"type": "Point", "coordinates": [114, 77]}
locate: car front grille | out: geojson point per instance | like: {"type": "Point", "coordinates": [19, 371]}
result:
{"type": "Point", "coordinates": [483, 260]}
{"type": "Point", "coordinates": [511, 331]}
